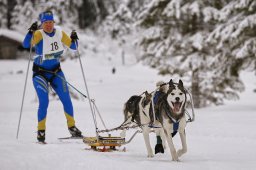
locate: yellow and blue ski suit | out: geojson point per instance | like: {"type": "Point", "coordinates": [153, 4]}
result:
{"type": "Point", "coordinates": [43, 76]}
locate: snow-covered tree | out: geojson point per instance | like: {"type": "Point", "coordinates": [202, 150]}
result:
{"type": "Point", "coordinates": [23, 15]}
{"type": "Point", "coordinates": [204, 42]}
{"type": "Point", "coordinates": [27, 12]}
{"type": "Point", "coordinates": [122, 18]}
{"type": "Point", "coordinates": [174, 42]}
{"type": "Point", "coordinates": [6, 9]}
{"type": "Point", "coordinates": [119, 22]}
{"type": "Point", "coordinates": [93, 12]}
{"type": "Point", "coordinates": [235, 40]}
{"type": "Point", "coordinates": [66, 11]}
{"type": "Point", "coordinates": [120, 25]}
{"type": "Point", "coordinates": [3, 13]}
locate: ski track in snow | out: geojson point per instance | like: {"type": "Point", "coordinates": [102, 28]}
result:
{"type": "Point", "coordinates": [221, 138]}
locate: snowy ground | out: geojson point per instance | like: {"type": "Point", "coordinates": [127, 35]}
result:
{"type": "Point", "coordinates": [221, 138]}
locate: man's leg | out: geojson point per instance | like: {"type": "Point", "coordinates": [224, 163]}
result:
{"type": "Point", "coordinates": [61, 88]}
{"type": "Point", "coordinates": [159, 146]}
{"type": "Point", "coordinates": [41, 88]}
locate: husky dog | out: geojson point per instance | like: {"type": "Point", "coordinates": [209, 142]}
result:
{"type": "Point", "coordinates": [170, 112]}
{"type": "Point", "coordinates": [138, 109]}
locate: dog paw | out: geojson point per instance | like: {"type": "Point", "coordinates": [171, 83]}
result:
{"type": "Point", "coordinates": [150, 153]}
{"type": "Point", "coordinates": [175, 156]}
{"type": "Point", "coordinates": [150, 156]}
{"type": "Point", "coordinates": [180, 152]}
{"type": "Point", "coordinates": [177, 160]}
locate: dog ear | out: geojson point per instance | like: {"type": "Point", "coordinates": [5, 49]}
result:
{"type": "Point", "coordinates": [171, 85]}
{"type": "Point", "coordinates": [146, 93]}
{"type": "Point", "coordinates": [180, 85]}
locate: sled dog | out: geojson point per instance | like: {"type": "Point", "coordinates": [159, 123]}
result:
{"type": "Point", "coordinates": [169, 112]}
{"type": "Point", "coordinates": [138, 109]}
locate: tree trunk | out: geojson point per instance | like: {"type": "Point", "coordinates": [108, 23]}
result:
{"type": "Point", "coordinates": [195, 88]}
{"type": "Point", "coordinates": [10, 6]}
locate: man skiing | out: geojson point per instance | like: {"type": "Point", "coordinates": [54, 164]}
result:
{"type": "Point", "coordinates": [48, 43]}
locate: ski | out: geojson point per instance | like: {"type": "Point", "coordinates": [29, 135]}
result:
{"type": "Point", "coordinates": [70, 137]}
{"type": "Point", "coordinates": [41, 143]}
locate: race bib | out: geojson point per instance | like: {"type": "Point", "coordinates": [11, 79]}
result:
{"type": "Point", "coordinates": [52, 46]}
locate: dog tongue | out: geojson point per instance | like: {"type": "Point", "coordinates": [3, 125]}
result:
{"type": "Point", "coordinates": [176, 107]}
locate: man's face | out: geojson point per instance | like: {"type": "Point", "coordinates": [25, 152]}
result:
{"type": "Point", "coordinates": [48, 26]}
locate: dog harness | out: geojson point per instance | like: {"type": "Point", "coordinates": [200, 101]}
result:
{"type": "Point", "coordinates": [175, 122]}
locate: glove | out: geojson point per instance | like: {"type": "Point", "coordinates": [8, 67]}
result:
{"type": "Point", "coordinates": [74, 36]}
{"type": "Point", "coordinates": [33, 27]}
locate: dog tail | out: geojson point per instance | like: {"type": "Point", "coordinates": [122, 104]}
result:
{"type": "Point", "coordinates": [127, 119]}
{"type": "Point", "coordinates": [126, 112]}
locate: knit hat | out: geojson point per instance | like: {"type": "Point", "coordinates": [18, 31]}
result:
{"type": "Point", "coordinates": [46, 16]}
{"type": "Point", "coordinates": [162, 86]}
{"type": "Point", "coordinates": [160, 83]}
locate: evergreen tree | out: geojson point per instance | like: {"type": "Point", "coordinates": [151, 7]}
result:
{"type": "Point", "coordinates": [120, 26]}
{"type": "Point", "coordinates": [26, 12]}
{"type": "Point", "coordinates": [93, 12]}
{"type": "Point", "coordinates": [122, 18]}
{"type": "Point", "coordinates": [23, 15]}
{"type": "Point", "coordinates": [10, 7]}
{"type": "Point", "coordinates": [175, 43]}
{"type": "Point", "coordinates": [66, 11]}
{"type": "Point", "coordinates": [6, 8]}
{"type": "Point", "coordinates": [3, 13]}
{"type": "Point", "coordinates": [235, 40]}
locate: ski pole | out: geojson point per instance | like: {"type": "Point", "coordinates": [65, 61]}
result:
{"type": "Point", "coordinates": [25, 86]}
{"type": "Point", "coordinates": [63, 79]}
{"type": "Point", "coordinates": [87, 91]}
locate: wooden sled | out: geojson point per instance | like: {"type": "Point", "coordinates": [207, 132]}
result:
{"type": "Point", "coordinates": [107, 144]}
{"type": "Point", "coordinates": [104, 144]}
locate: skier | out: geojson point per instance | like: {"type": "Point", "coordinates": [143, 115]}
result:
{"type": "Point", "coordinates": [162, 89]}
{"type": "Point", "coordinates": [48, 43]}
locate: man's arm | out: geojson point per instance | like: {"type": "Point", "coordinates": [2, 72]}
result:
{"type": "Point", "coordinates": [36, 38]}
{"type": "Point", "coordinates": [67, 41]}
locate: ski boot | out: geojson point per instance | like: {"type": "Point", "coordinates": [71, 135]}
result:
{"type": "Point", "coordinates": [75, 132]}
{"type": "Point", "coordinates": [41, 136]}
{"type": "Point", "coordinates": [159, 146]}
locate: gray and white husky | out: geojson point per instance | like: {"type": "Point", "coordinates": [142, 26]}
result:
{"type": "Point", "coordinates": [169, 112]}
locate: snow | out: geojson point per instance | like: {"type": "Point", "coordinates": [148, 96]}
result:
{"type": "Point", "coordinates": [12, 34]}
{"type": "Point", "coordinates": [220, 138]}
